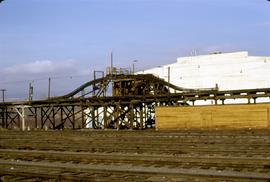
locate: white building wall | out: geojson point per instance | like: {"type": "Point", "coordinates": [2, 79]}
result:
{"type": "Point", "coordinates": [230, 71]}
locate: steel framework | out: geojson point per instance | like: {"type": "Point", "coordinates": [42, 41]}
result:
{"type": "Point", "coordinates": [116, 101]}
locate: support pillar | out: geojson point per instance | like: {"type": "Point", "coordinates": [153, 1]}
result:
{"type": "Point", "coordinates": [105, 118]}
{"type": "Point", "coordinates": [61, 117]}
{"type": "Point", "coordinates": [222, 101]}
{"type": "Point", "coordinates": [53, 113]}
{"type": "Point", "coordinates": [254, 98]}
{"type": "Point", "coordinates": [83, 118]}
{"type": "Point", "coordinates": [73, 117]}
{"type": "Point", "coordinates": [93, 117]}
{"type": "Point", "coordinates": [22, 115]}
{"type": "Point", "coordinates": [116, 119]}
{"type": "Point", "coordinates": [35, 115]}
{"type": "Point", "coordinates": [141, 117]}
{"type": "Point", "coordinates": [131, 116]}
{"type": "Point", "coordinates": [3, 117]}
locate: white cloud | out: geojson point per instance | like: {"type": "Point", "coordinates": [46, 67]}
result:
{"type": "Point", "coordinates": [41, 67]}
{"type": "Point", "coordinates": [66, 76]}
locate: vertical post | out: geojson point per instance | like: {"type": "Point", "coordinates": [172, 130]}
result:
{"type": "Point", "coordinates": [141, 117]}
{"type": "Point", "coordinates": [105, 118]}
{"type": "Point", "coordinates": [23, 118]}
{"type": "Point", "coordinates": [94, 85]}
{"type": "Point", "coordinates": [41, 117]}
{"type": "Point", "coordinates": [49, 88]}
{"type": "Point", "coordinates": [3, 95]}
{"type": "Point", "coordinates": [30, 97]}
{"type": "Point", "coordinates": [133, 66]}
{"type": "Point", "coordinates": [169, 74]}
{"type": "Point", "coordinates": [19, 118]}
{"type": "Point", "coordinates": [22, 115]}
{"type": "Point", "coordinates": [116, 119]}
{"type": "Point", "coordinates": [83, 117]}
{"type": "Point", "coordinates": [93, 118]}
{"type": "Point", "coordinates": [111, 63]}
{"type": "Point", "coordinates": [61, 117]}
{"type": "Point", "coordinates": [36, 124]}
{"type": "Point", "coordinates": [3, 116]}
{"type": "Point", "coordinates": [222, 101]}
{"type": "Point", "coordinates": [53, 114]}
{"type": "Point", "coordinates": [131, 115]}
{"type": "Point", "coordinates": [73, 117]}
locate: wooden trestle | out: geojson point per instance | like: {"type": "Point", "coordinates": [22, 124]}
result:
{"type": "Point", "coordinates": [129, 105]}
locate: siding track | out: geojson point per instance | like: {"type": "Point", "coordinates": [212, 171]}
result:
{"type": "Point", "coordinates": [135, 155]}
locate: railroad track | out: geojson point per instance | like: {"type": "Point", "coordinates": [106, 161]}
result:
{"type": "Point", "coordinates": [134, 156]}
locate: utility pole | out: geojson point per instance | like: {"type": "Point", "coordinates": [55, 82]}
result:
{"type": "Point", "coordinates": [133, 66]}
{"type": "Point", "coordinates": [31, 91]}
{"type": "Point", "coordinates": [111, 63]}
{"type": "Point", "coordinates": [3, 94]}
{"type": "Point", "coordinates": [49, 88]}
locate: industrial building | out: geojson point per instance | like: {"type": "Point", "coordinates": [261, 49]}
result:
{"type": "Point", "coordinates": [223, 71]}
{"type": "Point", "coordinates": [228, 71]}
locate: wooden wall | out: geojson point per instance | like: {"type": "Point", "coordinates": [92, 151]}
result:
{"type": "Point", "coordinates": [255, 116]}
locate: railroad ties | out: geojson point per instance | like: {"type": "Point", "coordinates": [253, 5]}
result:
{"type": "Point", "coordinates": [99, 155]}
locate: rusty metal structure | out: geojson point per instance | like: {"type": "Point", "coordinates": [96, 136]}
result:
{"type": "Point", "coordinates": [117, 101]}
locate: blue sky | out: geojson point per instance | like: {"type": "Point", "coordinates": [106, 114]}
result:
{"type": "Point", "coordinates": [68, 39]}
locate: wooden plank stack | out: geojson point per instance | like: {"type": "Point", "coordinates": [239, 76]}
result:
{"type": "Point", "coordinates": [238, 116]}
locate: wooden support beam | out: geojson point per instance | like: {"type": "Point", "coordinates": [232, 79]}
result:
{"type": "Point", "coordinates": [116, 116]}
{"type": "Point", "coordinates": [93, 117]}
{"type": "Point", "coordinates": [61, 117]}
{"type": "Point", "coordinates": [141, 117]}
{"type": "Point", "coordinates": [83, 119]}
{"type": "Point", "coordinates": [131, 120]}
{"type": "Point", "coordinates": [73, 117]}
{"type": "Point", "coordinates": [22, 115]}
{"type": "Point", "coordinates": [105, 117]}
